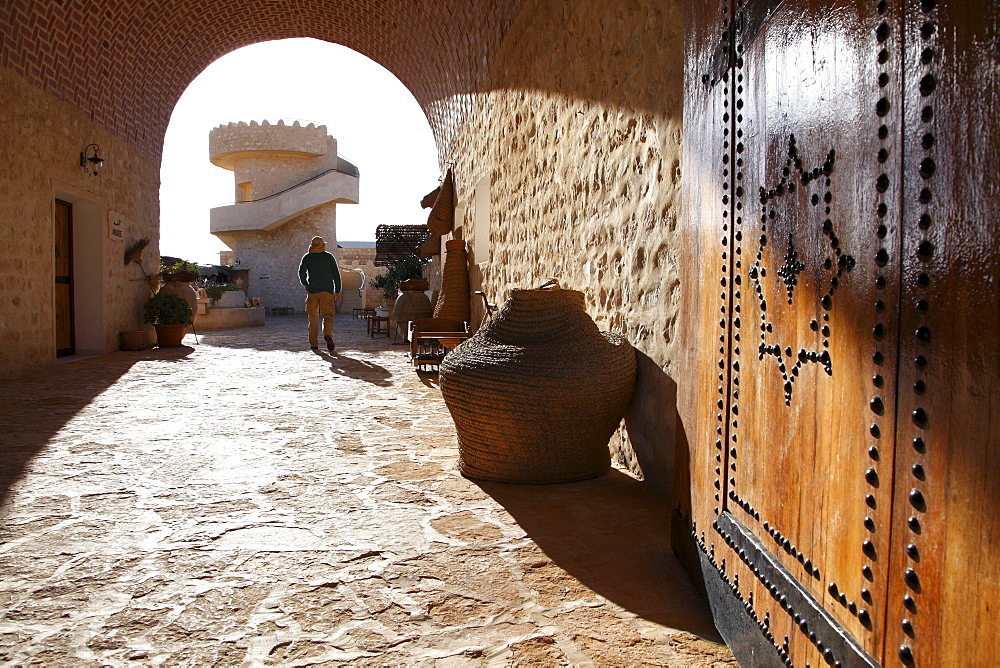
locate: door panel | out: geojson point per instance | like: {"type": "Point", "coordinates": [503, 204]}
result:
{"type": "Point", "coordinates": [841, 305]}
{"type": "Point", "coordinates": [809, 475]}
{"type": "Point", "coordinates": [706, 232]}
{"type": "Point", "coordinates": [943, 579]}
{"type": "Point", "coordinates": [65, 339]}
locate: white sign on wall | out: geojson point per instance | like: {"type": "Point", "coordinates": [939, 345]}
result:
{"type": "Point", "coordinates": [116, 226]}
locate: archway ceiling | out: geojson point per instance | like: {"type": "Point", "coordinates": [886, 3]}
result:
{"type": "Point", "coordinates": [125, 63]}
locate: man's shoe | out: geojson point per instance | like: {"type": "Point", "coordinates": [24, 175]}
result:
{"type": "Point", "coordinates": [329, 343]}
{"type": "Point", "coordinates": [314, 347]}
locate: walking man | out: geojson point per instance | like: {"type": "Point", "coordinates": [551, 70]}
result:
{"type": "Point", "coordinates": [320, 275]}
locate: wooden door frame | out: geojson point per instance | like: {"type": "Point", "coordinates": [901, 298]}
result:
{"type": "Point", "coordinates": [91, 245]}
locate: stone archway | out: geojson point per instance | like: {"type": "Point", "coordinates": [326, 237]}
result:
{"type": "Point", "coordinates": [125, 64]}
{"type": "Point", "coordinates": [75, 72]}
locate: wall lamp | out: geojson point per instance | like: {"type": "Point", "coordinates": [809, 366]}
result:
{"type": "Point", "coordinates": [92, 162]}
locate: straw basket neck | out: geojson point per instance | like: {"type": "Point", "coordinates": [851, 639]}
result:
{"type": "Point", "coordinates": [531, 315]}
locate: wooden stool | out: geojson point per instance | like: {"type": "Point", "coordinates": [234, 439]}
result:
{"type": "Point", "coordinates": [378, 324]}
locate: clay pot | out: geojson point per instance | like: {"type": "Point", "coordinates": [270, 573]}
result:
{"type": "Point", "coordinates": [414, 284]}
{"type": "Point", "coordinates": [170, 336]}
{"type": "Point", "coordinates": [184, 290]}
{"type": "Point", "coordinates": [132, 340]}
{"type": "Point", "coordinates": [411, 305]}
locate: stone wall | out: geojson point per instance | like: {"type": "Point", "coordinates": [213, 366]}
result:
{"type": "Point", "coordinates": [39, 160]}
{"type": "Point", "coordinates": [579, 138]}
{"type": "Point", "coordinates": [272, 258]}
{"type": "Point", "coordinates": [363, 259]}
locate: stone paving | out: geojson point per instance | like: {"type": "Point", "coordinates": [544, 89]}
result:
{"type": "Point", "coordinates": [244, 501]}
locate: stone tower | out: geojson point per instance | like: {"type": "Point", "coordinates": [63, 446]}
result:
{"type": "Point", "coordinates": [289, 181]}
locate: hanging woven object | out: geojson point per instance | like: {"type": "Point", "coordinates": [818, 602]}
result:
{"type": "Point", "coordinates": [442, 217]}
{"type": "Point", "coordinates": [537, 393]}
{"type": "Point", "coordinates": [430, 247]}
{"type": "Point", "coordinates": [427, 201]}
{"type": "Point", "coordinates": [453, 302]}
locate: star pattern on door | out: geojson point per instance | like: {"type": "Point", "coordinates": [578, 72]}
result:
{"type": "Point", "coordinates": [836, 262]}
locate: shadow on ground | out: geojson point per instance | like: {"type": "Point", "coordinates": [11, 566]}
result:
{"type": "Point", "coordinates": [342, 365]}
{"type": "Point", "coordinates": [612, 534]}
{"type": "Point", "coordinates": [34, 406]}
{"type": "Point", "coordinates": [429, 378]}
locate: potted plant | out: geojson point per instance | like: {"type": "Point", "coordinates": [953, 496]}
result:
{"type": "Point", "coordinates": [214, 292]}
{"type": "Point", "coordinates": [181, 271]}
{"type": "Point", "coordinates": [170, 315]}
{"type": "Point", "coordinates": [407, 268]}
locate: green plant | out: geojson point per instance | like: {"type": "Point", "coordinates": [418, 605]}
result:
{"type": "Point", "coordinates": [166, 309]}
{"type": "Point", "coordinates": [407, 268]}
{"type": "Point", "coordinates": [178, 267]}
{"type": "Point", "coordinates": [214, 292]}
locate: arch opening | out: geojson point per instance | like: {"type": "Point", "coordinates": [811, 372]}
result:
{"type": "Point", "coordinates": [375, 121]}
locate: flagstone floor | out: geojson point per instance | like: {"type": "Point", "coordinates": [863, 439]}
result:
{"type": "Point", "coordinates": [244, 501]}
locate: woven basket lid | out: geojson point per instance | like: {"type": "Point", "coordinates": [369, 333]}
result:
{"type": "Point", "coordinates": [442, 216]}
{"type": "Point", "coordinates": [430, 247]}
{"type": "Point", "coordinates": [542, 312]}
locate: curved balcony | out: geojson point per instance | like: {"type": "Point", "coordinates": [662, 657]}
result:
{"type": "Point", "coordinates": [271, 212]}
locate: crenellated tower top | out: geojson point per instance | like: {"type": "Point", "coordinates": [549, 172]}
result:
{"type": "Point", "coordinates": [229, 142]}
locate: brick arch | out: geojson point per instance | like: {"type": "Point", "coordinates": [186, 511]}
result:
{"type": "Point", "coordinates": [125, 63]}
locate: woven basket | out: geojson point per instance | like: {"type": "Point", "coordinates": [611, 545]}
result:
{"type": "Point", "coordinates": [442, 216]}
{"type": "Point", "coordinates": [453, 302]}
{"type": "Point", "coordinates": [537, 392]}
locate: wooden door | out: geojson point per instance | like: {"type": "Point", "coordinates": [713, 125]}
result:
{"type": "Point", "coordinates": [65, 337]}
{"type": "Point", "coordinates": [943, 578]}
{"type": "Point", "coordinates": [809, 155]}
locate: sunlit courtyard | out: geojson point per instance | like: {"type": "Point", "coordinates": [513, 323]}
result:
{"type": "Point", "coordinates": [243, 500]}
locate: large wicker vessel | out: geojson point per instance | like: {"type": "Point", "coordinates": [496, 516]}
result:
{"type": "Point", "coordinates": [537, 393]}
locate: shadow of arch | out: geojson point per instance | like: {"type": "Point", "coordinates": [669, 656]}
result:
{"type": "Point", "coordinates": [35, 407]}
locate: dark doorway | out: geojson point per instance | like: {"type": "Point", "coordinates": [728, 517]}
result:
{"type": "Point", "coordinates": [65, 334]}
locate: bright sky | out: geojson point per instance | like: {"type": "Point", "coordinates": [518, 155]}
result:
{"type": "Point", "coordinates": [377, 123]}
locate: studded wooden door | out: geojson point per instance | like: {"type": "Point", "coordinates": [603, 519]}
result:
{"type": "Point", "coordinates": [811, 149]}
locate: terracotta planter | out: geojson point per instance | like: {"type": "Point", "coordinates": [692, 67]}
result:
{"type": "Point", "coordinates": [170, 336]}
{"type": "Point", "coordinates": [414, 284]}
{"type": "Point", "coordinates": [411, 305]}
{"type": "Point", "coordinates": [132, 340]}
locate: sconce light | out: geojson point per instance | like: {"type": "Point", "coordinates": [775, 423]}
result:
{"type": "Point", "coordinates": [93, 162]}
